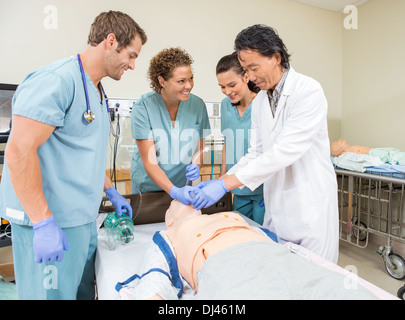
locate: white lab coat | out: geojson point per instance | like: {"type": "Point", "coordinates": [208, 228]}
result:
{"type": "Point", "coordinates": [290, 155]}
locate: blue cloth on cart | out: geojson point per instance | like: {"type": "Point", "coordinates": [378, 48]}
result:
{"type": "Point", "coordinates": [387, 169]}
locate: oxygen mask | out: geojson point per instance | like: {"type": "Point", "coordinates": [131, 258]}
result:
{"type": "Point", "coordinates": [119, 229]}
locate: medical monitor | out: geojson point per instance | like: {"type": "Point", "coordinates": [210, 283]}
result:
{"type": "Point", "coordinates": [6, 95]}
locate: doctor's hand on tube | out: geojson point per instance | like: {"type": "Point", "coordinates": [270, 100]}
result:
{"type": "Point", "coordinates": [184, 195]}
{"type": "Point", "coordinates": [192, 172]}
{"type": "Point", "coordinates": [210, 193]}
{"type": "Point", "coordinates": [49, 241]}
{"type": "Point", "coordinates": [121, 204]}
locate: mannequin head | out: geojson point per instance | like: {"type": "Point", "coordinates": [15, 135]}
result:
{"type": "Point", "coordinates": [338, 147]}
{"type": "Point", "coordinates": [178, 211]}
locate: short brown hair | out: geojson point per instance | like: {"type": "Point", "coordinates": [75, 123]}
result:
{"type": "Point", "coordinates": [164, 63]}
{"type": "Point", "coordinates": [120, 24]}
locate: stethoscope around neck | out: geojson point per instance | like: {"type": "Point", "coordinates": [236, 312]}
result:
{"type": "Point", "coordinates": [88, 115]}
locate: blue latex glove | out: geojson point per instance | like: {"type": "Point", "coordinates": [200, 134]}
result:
{"type": "Point", "coordinates": [182, 194]}
{"type": "Point", "coordinates": [209, 194]}
{"type": "Point", "coordinates": [121, 204]}
{"type": "Point", "coordinates": [202, 184]}
{"type": "Point", "coordinates": [49, 241]}
{"type": "Point", "coordinates": [192, 172]}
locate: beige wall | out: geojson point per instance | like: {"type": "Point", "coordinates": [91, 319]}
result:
{"type": "Point", "coordinates": [206, 29]}
{"type": "Point", "coordinates": [373, 108]}
{"type": "Point", "coordinates": [360, 70]}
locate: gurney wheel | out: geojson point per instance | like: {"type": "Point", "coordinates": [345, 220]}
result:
{"type": "Point", "coordinates": [358, 230]}
{"type": "Point", "coordinates": [401, 293]}
{"type": "Point", "coordinates": [397, 270]}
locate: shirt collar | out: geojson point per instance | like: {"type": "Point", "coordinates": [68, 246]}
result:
{"type": "Point", "coordinates": [279, 88]}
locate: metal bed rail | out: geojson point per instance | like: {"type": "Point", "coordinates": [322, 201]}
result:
{"type": "Point", "coordinates": [373, 203]}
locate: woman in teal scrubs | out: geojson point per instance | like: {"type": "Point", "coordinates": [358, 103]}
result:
{"type": "Point", "coordinates": [235, 126]}
{"type": "Point", "coordinates": [169, 125]}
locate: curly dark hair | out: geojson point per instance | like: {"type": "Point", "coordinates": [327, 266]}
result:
{"type": "Point", "coordinates": [164, 63]}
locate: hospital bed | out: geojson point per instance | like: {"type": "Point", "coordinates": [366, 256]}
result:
{"type": "Point", "coordinates": [372, 201]}
{"type": "Point", "coordinates": [114, 266]}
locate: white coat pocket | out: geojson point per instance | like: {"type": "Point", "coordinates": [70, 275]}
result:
{"type": "Point", "coordinates": [296, 215]}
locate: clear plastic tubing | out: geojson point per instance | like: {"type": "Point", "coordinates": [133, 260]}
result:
{"type": "Point", "coordinates": [196, 156]}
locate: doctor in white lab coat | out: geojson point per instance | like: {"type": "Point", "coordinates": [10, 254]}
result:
{"type": "Point", "coordinates": [289, 149]}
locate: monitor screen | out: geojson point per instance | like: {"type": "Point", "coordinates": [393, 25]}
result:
{"type": "Point", "coordinates": [6, 96]}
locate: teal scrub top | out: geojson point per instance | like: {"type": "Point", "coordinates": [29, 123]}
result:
{"type": "Point", "coordinates": [175, 146]}
{"type": "Point", "coordinates": [236, 131]}
{"type": "Point", "coordinates": [73, 159]}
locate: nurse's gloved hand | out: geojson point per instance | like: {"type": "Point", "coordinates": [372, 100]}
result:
{"type": "Point", "coordinates": [182, 194]}
{"type": "Point", "coordinates": [209, 194]}
{"type": "Point", "coordinates": [121, 204]}
{"type": "Point", "coordinates": [192, 172]}
{"type": "Point", "coordinates": [202, 184]}
{"type": "Point", "coordinates": [49, 241]}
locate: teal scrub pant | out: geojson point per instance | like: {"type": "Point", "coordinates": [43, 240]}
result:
{"type": "Point", "coordinates": [70, 279]}
{"type": "Point", "coordinates": [250, 207]}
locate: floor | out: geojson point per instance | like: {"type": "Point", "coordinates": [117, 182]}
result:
{"type": "Point", "coordinates": [370, 265]}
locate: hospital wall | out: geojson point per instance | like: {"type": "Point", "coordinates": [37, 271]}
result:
{"type": "Point", "coordinates": [206, 29]}
{"type": "Point", "coordinates": [360, 69]}
{"type": "Point", "coordinates": [373, 108]}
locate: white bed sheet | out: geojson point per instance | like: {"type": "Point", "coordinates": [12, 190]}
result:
{"type": "Point", "coordinates": [113, 266]}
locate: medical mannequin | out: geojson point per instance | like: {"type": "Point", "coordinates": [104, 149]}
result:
{"type": "Point", "coordinates": [387, 155]}
{"type": "Point", "coordinates": [341, 146]}
{"type": "Point", "coordinates": [219, 256]}
{"type": "Point", "coordinates": [205, 234]}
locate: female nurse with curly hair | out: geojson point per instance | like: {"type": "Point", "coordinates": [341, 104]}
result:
{"type": "Point", "coordinates": [169, 125]}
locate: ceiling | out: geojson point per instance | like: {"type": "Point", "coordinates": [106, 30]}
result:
{"type": "Point", "coordinates": [333, 5]}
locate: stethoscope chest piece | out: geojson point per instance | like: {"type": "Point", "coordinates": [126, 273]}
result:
{"type": "Point", "coordinates": [89, 116]}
